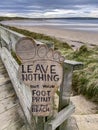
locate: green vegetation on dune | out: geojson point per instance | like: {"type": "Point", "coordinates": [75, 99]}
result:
{"type": "Point", "coordinates": [2, 18]}
{"type": "Point", "coordinates": [59, 45]}
{"type": "Point", "coordinates": [85, 81]}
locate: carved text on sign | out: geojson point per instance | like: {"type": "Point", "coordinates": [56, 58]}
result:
{"type": "Point", "coordinates": [35, 72]}
{"type": "Point", "coordinates": [42, 71]}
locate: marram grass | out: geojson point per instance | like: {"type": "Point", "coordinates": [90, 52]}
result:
{"type": "Point", "coordinates": [85, 81]}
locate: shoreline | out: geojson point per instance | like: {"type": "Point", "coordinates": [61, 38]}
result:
{"type": "Point", "coordinates": [75, 38]}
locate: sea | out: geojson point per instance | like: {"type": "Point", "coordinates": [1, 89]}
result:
{"type": "Point", "coordinates": [86, 24]}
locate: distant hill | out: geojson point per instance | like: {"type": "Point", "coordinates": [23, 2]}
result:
{"type": "Point", "coordinates": [11, 18]}
{"type": "Point", "coordinates": [19, 18]}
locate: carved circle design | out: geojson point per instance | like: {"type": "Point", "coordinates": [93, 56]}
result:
{"type": "Point", "coordinates": [42, 51]}
{"type": "Point", "coordinates": [25, 48]}
{"type": "Point", "coordinates": [56, 56]}
{"type": "Point", "coordinates": [50, 53]}
{"type": "Point", "coordinates": [62, 59]}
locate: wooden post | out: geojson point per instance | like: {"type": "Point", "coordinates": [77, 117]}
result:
{"type": "Point", "coordinates": [65, 91]}
{"type": "Point", "coordinates": [66, 88]}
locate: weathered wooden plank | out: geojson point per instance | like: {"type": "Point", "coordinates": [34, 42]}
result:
{"type": "Point", "coordinates": [8, 103]}
{"type": "Point", "coordinates": [9, 117]}
{"type": "Point", "coordinates": [5, 75]}
{"type": "Point", "coordinates": [6, 90]}
{"type": "Point", "coordinates": [65, 89]}
{"type": "Point", "coordinates": [9, 38]}
{"type": "Point", "coordinates": [60, 118]}
{"type": "Point", "coordinates": [4, 80]}
{"type": "Point", "coordinates": [23, 92]}
{"type": "Point", "coordinates": [75, 65]}
{"type": "Point", "coordinates": [18, 125]}
{"type": "Point", "coordinates": [2, 71]}
{"type": "Point", "coordinates": [1, 67]}
{"type": "Point", "coordinates": [1, 63]}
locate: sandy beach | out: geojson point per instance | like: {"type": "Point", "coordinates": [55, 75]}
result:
{"type": "Point", "coordinates": [75, 38]}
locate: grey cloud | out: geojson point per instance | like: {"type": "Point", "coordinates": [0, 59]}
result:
{"type": "Point", "coordinates": [24, 6]}
{"type": "Point", "coordinates": [49, 3]}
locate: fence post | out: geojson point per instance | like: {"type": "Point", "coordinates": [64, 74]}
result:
{"type": "Point", "coordinates": [65, 90]}
{"type": "Point", "coordinates": [66, 87]}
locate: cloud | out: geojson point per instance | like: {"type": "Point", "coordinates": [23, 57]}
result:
{"type": "Point", "coordinates": [48, 8]}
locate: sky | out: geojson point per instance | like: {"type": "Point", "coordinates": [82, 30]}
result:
{"type": "Point", "coordinates": [49, 8]}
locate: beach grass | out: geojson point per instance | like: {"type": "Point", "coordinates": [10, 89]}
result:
{"type": "Point", "coordinates": [85, 81]}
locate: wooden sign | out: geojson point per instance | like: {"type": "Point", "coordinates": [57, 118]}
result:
{"type": "Point", "coordinates": [42, 71]}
